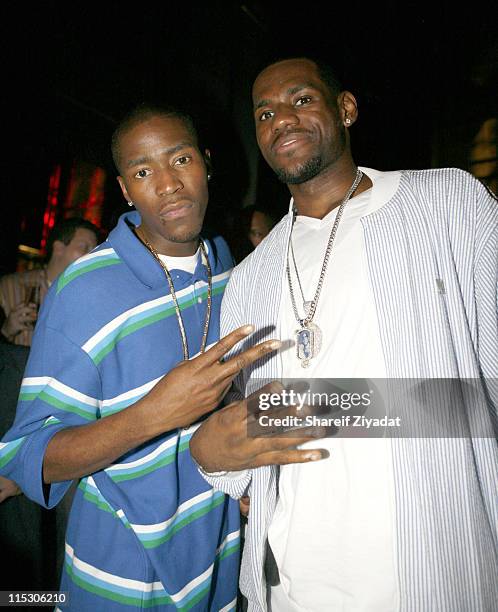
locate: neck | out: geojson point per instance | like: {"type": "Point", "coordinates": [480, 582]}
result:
{"type": "Point", "coordinates": [317, 197]}
{"type": "Point", "coordinates": [166, 247]}
{"type": "Point", "coordinates": [54, 268]}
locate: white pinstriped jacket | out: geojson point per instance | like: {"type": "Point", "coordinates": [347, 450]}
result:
{"type": "Point", "coordinates": [439, 224]}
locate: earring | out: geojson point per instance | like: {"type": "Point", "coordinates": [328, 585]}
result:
{"type": "Point", "coordinates": [130, 204]}
{"type": "Point", "coordinates": [347, 121]}
{"type": "Point", "coordinates": [209, 177]}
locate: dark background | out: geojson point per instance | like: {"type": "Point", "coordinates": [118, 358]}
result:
{"type": "Point", "coordinates": [424, 75]}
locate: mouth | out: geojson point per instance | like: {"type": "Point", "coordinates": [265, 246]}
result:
{"type": "Point", "coordinates": [177, 210]}
{"type": "Point", "coordinates": [287, 142]}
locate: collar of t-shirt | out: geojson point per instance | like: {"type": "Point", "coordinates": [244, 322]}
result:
{"type": "Point", "coordinates": [187, 264]}
{"type": "Point", "coordinates": [384, 186]}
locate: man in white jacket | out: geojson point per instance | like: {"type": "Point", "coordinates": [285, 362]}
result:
{"type": "Point", "coordinates": [372, 275]}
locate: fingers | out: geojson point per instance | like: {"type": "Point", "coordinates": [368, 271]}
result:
{"type": "Point", "coordinates": [20, 318]}
{"type": "Point", "coordinates": [291, 456]}
{"type": "Point", "coordinates": [244, 504]}
{"type": "Point", "coordinates": [23, 312]}
{"type": "Point", "coordinates": [280, 439]}
{"type": "Point", "coordinates": [253, 401]}
{"type": "Point", "coordinates": [225, 391]}
{"type": "Point", "coordinates": [227, 371]}
{"type": "Point", "coordinates": [226, 344]}
{"type": "Point", "coordinates": [233, 366]}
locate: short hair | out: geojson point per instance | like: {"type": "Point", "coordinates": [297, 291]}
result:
{"type": "Point", "coordinates": [141, 113]}
{"type": "Point", "coordinates": [326, 73]}
{"type": "Point", "coordinates": [65, 230]}
{"type": "Point", "coordinates": [328, 76]}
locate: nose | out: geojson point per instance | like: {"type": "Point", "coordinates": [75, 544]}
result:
{"type": "Point", "coordinates": [284, 117]}
{"type": "Point", "coordinates": [168, 182]}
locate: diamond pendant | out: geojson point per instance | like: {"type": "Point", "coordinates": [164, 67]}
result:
{"type": "Point", "coordinates": [308, 343]}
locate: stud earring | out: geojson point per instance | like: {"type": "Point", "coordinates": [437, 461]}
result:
{"type": "Point", "coordinates": [209, 177]}
{"type": "Point", "coordinates": [347, 121]}
{"type": "Point", "coordinates": [130, 204]}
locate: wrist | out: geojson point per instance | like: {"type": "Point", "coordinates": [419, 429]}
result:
{"type": "Point", "coordinates": [154, 417]}
{"type": "Point", "coordinates": [205, 472]}
{"type": "Point", "coordinates": [202, 466]}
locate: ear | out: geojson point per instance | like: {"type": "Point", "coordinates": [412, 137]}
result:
{"type": "Point", "coordinates": [58, 248]}
{"type": "Point", "coordinates": [348, 108]}
{"type": "Point", "coordinates": [209, 165]}
{"type": "Point", "coordinates": [123, 188]}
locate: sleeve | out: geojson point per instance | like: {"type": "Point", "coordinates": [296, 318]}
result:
{"type": "Point", "coordinates": [230, 319]}
{"type": "Point", "coordinates": [234, 484]}
{"type": "Point", "coordinates": [486, 296]}
{"type": "Point", "coordinates": [61, 389]}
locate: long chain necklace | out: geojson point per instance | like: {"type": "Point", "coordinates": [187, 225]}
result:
{"type": "Point", "coordinates": [309, 336]}
{"type": "Point", "coordinates": [175, 300]}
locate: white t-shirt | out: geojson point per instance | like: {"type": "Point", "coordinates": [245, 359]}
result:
{"type": "Point", "coordinates": [333, 530]}
{"type": "Point", "coordinates": [188, 264]}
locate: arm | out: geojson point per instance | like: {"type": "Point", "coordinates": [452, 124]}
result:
{"type": "Point", "coordinates": [59, 433]}
{"type": "Point", "coordinates": [184, 395]}
{"type": "Point", "coordinates": [486, 291]}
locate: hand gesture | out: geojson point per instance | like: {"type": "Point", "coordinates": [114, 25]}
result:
{"type": "Point", "coordinates": [196, 387]}
{"type": "Point", "coordinates": [222, 442]}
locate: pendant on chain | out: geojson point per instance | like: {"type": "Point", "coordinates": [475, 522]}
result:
{"type": "Point", "coordinates": [308, 343]}
{"type": "Point", "coordinates": [309, 337]}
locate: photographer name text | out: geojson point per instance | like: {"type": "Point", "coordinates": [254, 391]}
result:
{"type": "Point", "coordinates": [347, 420]}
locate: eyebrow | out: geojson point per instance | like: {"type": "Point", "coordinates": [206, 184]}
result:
{"type": "Point", "coordinates": [290, 92]}
{"type": "Point", "coordinates": [145, 159]}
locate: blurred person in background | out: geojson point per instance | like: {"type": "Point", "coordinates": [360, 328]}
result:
{"type": "Point", "coordinates": [22, 293]}
{"type": "Point", "coordinates": [252, 224]}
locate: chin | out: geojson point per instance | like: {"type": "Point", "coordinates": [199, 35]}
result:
{"type": "Point", "coordinates": [301, 173]}
{"type": "Point", "coordinates": [182, 237]}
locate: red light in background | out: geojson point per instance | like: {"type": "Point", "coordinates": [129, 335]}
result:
{"type": "Point", "coordinates": [52, 202]}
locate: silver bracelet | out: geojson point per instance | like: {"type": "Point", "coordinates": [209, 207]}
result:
{"type": "Point", "coordinates": [204, 473]}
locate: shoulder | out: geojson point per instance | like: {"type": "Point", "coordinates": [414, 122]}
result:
{"type": "Point", "coordinates": [444, 181]}
{"type": "Point", "coordinates": [455, 191]}
{"type": "Point", "coordinates": [89, 292]}
{"type": "Point", "coordinates": [89, 268]}
{"type": "Point", "coordinates": [452, 199]}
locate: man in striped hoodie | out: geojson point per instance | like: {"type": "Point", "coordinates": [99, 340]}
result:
{"type": "Point", "coordinates": [125, 361]}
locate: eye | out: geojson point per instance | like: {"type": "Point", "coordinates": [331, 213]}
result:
{"type": "Point", "coordinates": [181, 161]}
{"type": "Point", "coordinates": [265, 115]}
{"type": "Point", "coordinates": [142, 173]}
{"type": "Point", "coordinates": [303, 100]}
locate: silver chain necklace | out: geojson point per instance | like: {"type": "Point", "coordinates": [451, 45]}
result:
{"type": "Point", "coordinates": [175, 301]}
{"type": "Point", "coordinates": [309, 336]}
